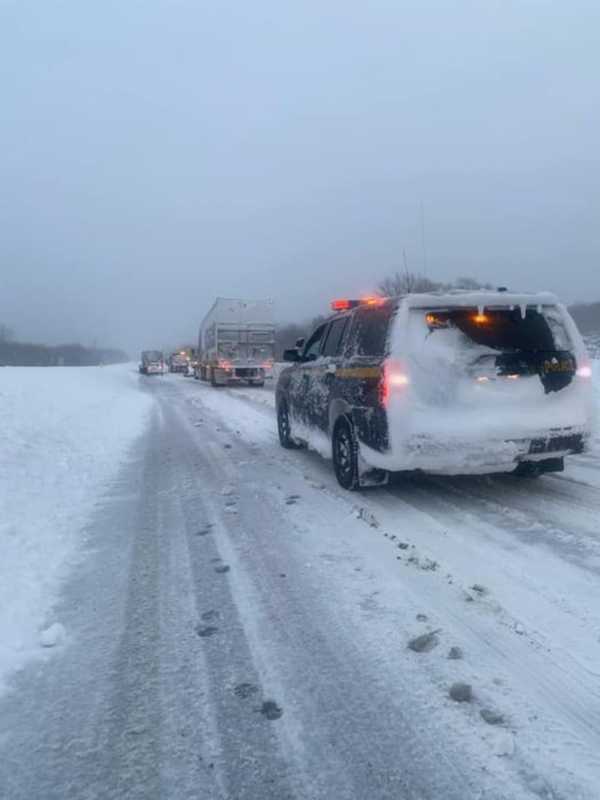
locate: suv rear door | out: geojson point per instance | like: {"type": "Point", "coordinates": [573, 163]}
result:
{"type": "Point", "coordinates": [323, 381]}
{"type": "Point", "coordinates": [366, 350]}
{"type": "Point", "coordinates": [303, 375]}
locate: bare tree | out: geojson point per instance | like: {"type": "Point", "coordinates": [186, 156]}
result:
{"type": "Point", "coordinates": [287, 335]}
{"type": "Point", "coordinates": [407, 283]}
{"type": "Point", "coordinates": [470, 284]}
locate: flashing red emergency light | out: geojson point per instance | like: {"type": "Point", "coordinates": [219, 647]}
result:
{"type": "Point", "coordinates": [345, 305]}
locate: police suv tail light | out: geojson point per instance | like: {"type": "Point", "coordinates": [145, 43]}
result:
{"type": "Point", "coordinates": [394, 380]}
{"type": "Point", "coordinates": [585, 370]}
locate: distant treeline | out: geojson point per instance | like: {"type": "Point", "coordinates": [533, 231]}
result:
{"type": "Point", "coordinates": [23, 354]}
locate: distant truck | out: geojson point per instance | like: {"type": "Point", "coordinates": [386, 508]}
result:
{"type": "Point", "coordinates": [152, 362]}
{"type": "Point", "coordinates": [178, 362]}
{"type": "Point", "coordinates": [236, 342]}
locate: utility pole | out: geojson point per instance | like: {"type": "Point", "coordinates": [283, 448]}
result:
{"type": "Point", "coordinates": [423, 239]}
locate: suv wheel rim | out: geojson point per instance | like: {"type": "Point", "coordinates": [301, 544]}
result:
{"type": "Point", "coordinates": [344, 453]}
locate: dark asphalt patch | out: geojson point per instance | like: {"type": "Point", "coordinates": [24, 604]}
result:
{"type": "Point", "coordinates": [223, 568]}
{"type": "Point", "coordinates": [425, 642]}
{"type": "Point", "coordinates": [271, 710]}
{"type": "Point", "coordinates": [205, 530]}
{"type": "Point", "coordinates": [292, 499]}
{"type": "Point", "coordinates": [461, 692]}
{"type": "Point", "coordinates": [208, 615]}
{"type": "Point", "coordinates": [245, 690]}
{"type": "Point", "coordinates": [215, 560]}
{"type": "Point", "coordinates": [491, 717]}
{"type": "Point", "coordinates": [481, 590]}
{"type": "Point", "coordinates": [206, 630]}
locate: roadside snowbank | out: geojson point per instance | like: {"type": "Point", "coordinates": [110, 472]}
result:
{"type": "Point", "coordinates": [64, 432]}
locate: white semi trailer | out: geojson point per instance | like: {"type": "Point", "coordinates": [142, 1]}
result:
{"type": "Point", "coordinates": [236, 342]}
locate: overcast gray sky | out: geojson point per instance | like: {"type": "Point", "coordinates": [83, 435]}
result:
{"type": "Point", "coordinates": [156, 154]}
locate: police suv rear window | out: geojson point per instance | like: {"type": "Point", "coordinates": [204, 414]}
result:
{"type": "Point", "coordinates": [369, 330]}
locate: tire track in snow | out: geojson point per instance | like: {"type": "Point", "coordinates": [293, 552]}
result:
{"type": "Point", "coordinates": [566, 690]}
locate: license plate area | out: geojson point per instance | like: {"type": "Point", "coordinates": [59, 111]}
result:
{"type": "Point", "coordinates": [555, 444]}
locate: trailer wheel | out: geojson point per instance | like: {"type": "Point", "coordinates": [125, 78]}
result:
{"type": "Point", "coordinates": [213, 380]}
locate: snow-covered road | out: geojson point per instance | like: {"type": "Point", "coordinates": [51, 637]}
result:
{"type": "Point", "coordinates": [240, 628]}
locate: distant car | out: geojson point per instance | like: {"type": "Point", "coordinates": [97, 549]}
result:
{"type": "Point", "coordinates": [457, 383]}
{"type": "Point", "coordinates": [152, 363]}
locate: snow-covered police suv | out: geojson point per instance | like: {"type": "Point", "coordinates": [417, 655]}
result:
{"type": "Point", "coordinates": [449, 383]}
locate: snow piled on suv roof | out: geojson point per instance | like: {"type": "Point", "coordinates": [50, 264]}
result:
{"type": "Point", "coordinates": [484, 299]}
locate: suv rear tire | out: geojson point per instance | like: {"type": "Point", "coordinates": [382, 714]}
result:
{"type": "Point", "coordinates": [344, 448]}
{"type": "Point", "coordinates": [284, 427]}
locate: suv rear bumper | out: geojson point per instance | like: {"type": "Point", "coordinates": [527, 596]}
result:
{"type": "Point", "coordinates": [456, 456]}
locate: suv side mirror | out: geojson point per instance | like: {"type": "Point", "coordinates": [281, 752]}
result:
{"type": "Point", "coordinates": [300, 343]}
{"type": "Point", "coordinates": [291, 355]}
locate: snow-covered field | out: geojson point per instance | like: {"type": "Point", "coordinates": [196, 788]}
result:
{"type": "Point", "coordinates": [64, 433]}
